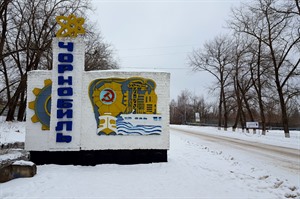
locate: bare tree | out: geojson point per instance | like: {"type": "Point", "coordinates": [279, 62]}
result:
{"type": "Point", "coordinates": [216, 59]}
{"type": "Point", "coordinates": [28, 44]}
{"type": "Point", "coordinates": [99, 55]}
{"type": "Point", "coordinates": [174, 119]}
{"type": "Point", "coordinates": [241, 79]}
{"type": "Point", "coordinates": [277, 34]}
{"type": "Point", "coordinates": [183, 105]}
{"type": "Point", "coordinates": [288, 7]}
{"type": "Point", "coordinates": [33, 25]}
{"type": "Point", "coordinates": [3, 22]}
{"type": "Point", "coordinates": [182, 111]}
{"type": "Point", "coordinates": [200, 106]}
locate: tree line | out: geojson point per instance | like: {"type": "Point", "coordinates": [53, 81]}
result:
{"type": "Point", "coordinates": [183, 111]}
{"type": "Point", "coordinates": [255, 65]}
{"type": "Point", "coordinates": [27, 28]}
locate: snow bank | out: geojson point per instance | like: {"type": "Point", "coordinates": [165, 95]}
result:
{"type": "Point", "coordinates": [11, 132]}
{"type": "Point", "coordinates": [23, 163]}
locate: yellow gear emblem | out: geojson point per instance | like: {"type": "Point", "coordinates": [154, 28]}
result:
{"type": "Point", "coordinates": [42, 105]}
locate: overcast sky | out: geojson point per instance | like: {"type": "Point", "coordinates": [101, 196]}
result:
{"type": "Point", "coordinates": [160, 34]}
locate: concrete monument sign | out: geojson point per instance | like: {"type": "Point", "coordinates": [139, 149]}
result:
{"type": "Point", "coordinates": [80, 117]}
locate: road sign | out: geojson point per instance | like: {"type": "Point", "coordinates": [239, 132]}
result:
{"type": "Point", "coordinates": [252, 125]}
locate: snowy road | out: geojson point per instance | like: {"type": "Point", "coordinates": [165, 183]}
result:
{"type": "Point", "coordinates": [284, 157]}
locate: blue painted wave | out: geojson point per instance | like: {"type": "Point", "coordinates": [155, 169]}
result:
{"type": "Point", "coordinates": [126, 128]}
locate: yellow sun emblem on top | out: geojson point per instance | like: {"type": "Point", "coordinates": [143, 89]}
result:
{"type": "Point", "coordinates": [71, 26]}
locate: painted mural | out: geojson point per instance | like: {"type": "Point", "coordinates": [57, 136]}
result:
{"type": "Point", "coordinates": [125, 106]}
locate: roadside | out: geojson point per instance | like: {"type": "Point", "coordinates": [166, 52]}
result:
{"type": "Point", "coordinates": [272, 137]}
{"type": "Point", "coordinates": [284, 161]}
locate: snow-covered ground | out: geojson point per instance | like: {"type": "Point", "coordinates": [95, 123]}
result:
{"type": "Point", "coordinates": [196, 168]}
{"type": "Point", "coordinates": [11, 132]}
{"type": "Point", "coordinates": [272, 137]}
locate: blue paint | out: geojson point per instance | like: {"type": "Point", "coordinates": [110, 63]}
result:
{"type": "Point", "coordinates": [65, 93]}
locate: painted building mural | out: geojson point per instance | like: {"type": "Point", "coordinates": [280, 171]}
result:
{"type": "Point", "coordinates": [121, 106]}
{"type": "Point", "coordinates": [125, 106]}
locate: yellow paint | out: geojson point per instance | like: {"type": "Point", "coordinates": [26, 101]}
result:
{"type": "Point", "coordinates": [34, 119]}
{"type": "Point", "coordinates": [71, 26]}
{"type": "Point", "coordinates": [116, 107]}
{"type": "Point", "coordinates": [107, 124]}
{"type": "Point", "coordinates": [31, 105]}
{"type": "Point", "coordinates": [47, 82]}
{"type": "Point", "coordinates": [138, 96]}
{"type": "Point", "coordinates": [140, 103]}
{"type": "Point", "coordinates": [36, 91]}
{"type": "Point", "coordinates": [44, 127]}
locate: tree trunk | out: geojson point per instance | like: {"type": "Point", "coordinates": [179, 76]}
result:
{"type": "Point", "coordinates": [248, 110]}
{"type": "Point", "coordinates": [238, 100]}
{"type": "Point", "coordinates": [3, 19]}
{"type": "Point", "coordinates": [262, 117]}
{"type": "Point", "coordinates": [284, 116]}
{"type": "Point", "coordinates": [12, 107]}
{"type": "Point", "coordinates": [225, 113]}
{"type": "Point", "coordinates": [6, 80]}
{"type": "Point", "coordinates": [13, 103]}
{"type": "Point", "coordinates": [258, 89]}
{"type": "Point", "coordinates": [3, 109]}
{"type": "Point", "coordinates": [22, 107]}
{"type": "Point", "coordinates": [242, 120]}
{"type": "Point", "coordinates": [237, 117]}
{"type": "Point", "coordinates": [220, 111]}
{"type": "Point", "coordinates": [285, 122]}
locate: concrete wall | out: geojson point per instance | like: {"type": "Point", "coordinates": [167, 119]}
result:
{"type": "Point", "coordinates": [44, 140]}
